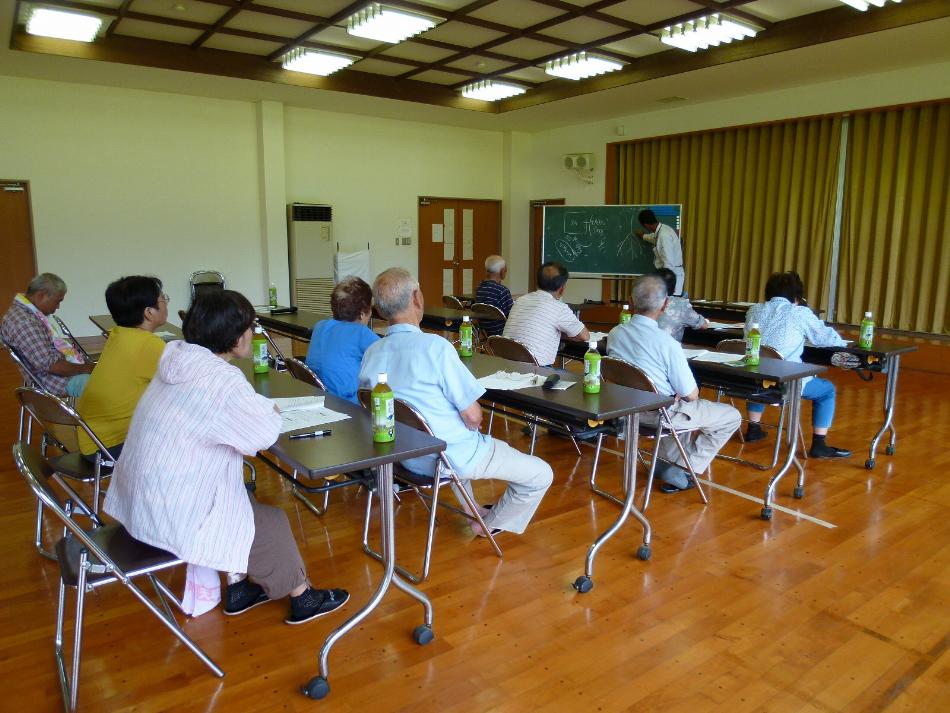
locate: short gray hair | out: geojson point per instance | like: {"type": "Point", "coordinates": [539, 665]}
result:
{"type": "Point", "coordinates": [494, 264]}
{"type": "Point", "coordinates": [649, 293]}
{"type": "Point", "coordinates": [392, 291]}
{"type": "Point", "coordinates": [47, 282]}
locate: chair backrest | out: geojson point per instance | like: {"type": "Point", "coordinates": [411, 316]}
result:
{"type": "Point", "coordinates": [270, 340]}
{"type": "Point", "coordinates": [202, 280]}
{"type": "Point", "coordinates": [511, 349]}
{"type": "Point", "coordinates": [69, 335]}
{"type": "Point", "coordinates": [618, 371]}
{"type": "Point", "coordinates": [483, 310]}
{"type": "Point", "coordinates": [30, 377]}
{"type": "Point", "coordinates": [737, 346]}
{"type": "Point", "coordinates": [181, 314]}
{"type": "Point", "coordinates": [50, 412]}
{"type": "Point", "coordinates": [451, 301]}
{"type": "Point", "coordinates": [365, 397]}
{"type": "Point", "coordinates": [302, 372]}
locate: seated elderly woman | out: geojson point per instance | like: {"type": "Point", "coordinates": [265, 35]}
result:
{"type": "Point", "coordinates": [337, 345]}
{"type": "Point", "coordinates": [679, 313]}
{"type": "Point", "coordinates": [179, 484]}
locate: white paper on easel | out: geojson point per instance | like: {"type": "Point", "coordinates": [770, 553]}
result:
{"type": "Point", "coordinates": [468, 233]}
{"type": "Point", "coordinates": [437, 232]}
{"type": "Point", "coordinates": [448, 282]}
{"type": "Point", "coordinates": [467, 281]}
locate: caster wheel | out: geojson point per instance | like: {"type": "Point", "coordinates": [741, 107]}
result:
{"type": "Point", "coordinates": [422, 635]}
{"type": "Point", "coordinates": [317, 688]}
{"type": "Point", "coordinates": [644, 552]}
{"type": "Point", "coordinates": [890, 450]}
{"type": "Point", "coordinates": [869, 464]}
{"type": "Point", "coordinates": [798, 492]}
{"type": "Point", "coordinates": [766, 513]}
{"type": "Point", "coordinates": [583, 584]}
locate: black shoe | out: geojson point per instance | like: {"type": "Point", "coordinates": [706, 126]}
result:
{"type": "Point", "coordinates": [242, 596]}
{"type": "Point", "coordinates": [671, 488]}
{"type": "Point", "coordinates": [754, 432]}
{"type": "Point", "coordinates": [314, 603]}
{"type": "Point", "coordinates": [823, 450]}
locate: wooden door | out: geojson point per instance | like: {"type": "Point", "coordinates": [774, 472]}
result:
{"type": "Point", "coordinates": [535, 228]}
{"type": "Point", "coordinates": [16, 229]}
{"type": "Point", "coordinates": [455, 237]}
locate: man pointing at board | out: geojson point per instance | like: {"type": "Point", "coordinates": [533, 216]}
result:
{"type": "Point", "coordinates": [667, 250]}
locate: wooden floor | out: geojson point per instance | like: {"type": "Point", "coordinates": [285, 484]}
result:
{"type": "Point", "coordinates": [847, 611]}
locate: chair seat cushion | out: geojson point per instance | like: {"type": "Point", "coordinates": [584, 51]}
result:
{"type": "Point", "coordinates": [130, 555]}
{"type": "Point", "coordinates": [74, 466]}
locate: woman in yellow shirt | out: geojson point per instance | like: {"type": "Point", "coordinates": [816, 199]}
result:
{"type": "Point", "coordinates": [128, 361]}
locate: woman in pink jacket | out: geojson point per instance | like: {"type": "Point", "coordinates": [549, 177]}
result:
{"type": "Point", "coordinates": [179, 484]}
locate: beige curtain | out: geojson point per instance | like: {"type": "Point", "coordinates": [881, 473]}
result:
{"type": "Point", "coordinates": [895, 246]}
{"type": "Point", "coordinates": [756, 200]}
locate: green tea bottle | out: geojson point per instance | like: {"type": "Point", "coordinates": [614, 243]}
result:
{"type": "Point", "coordinates": [752, 345]}
{"type": "Point", "coordinates": [384, 411]}
{"type": "Point", "coordinates": [272, 295]}
{"type": "Point", "coordinates": [625, 314]}
{"type": "Point", "coordinates": [592, 369]}
{"type": "Point", "coordinates": [259, 351]}
{"type": "Point", "coordinates": [465, 337]}
{"type": "Point", "coordinates": [867, 331]}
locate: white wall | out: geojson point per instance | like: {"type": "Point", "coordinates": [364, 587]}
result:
{"type": "Point", "coordinates": [549, 180]}
{"type": "Point", "coordinates": [372, 171]}
{"type": "Point", "coordinates": [126, 182]}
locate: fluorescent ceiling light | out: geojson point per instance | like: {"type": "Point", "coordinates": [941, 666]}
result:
{"type": "Point", "coordinates": [707, 32]}
{"type": "Point", "coordinates": [862, 5]}
{"type": "Point", "coordinates": [581, 65]}
{"type": "Point", "coordinates": [320, 63]}
{"type": "Point", "coordinates": [389, 24]}
{"type": "Point", "coordinates": [490, 91]}
{"type": "Point", "coordinates": [64, 25]}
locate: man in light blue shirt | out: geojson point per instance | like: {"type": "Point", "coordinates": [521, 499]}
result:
{"type": "Point", "coordinates": [424, 370]}
{"type": "Point", "coordinates": [785, 325]}
{"type": "Point", "coordinates": [642, 343]}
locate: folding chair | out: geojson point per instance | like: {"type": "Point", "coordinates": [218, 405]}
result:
{"type": "Point", "coordinates": [70, 337]}
{"type": "Point", "coordinates": [624, 373]}
{"type": "Point", "coordinates": [89, 559]}
{"type": "Point", "coordinates": [513, 350]}
{"type": "Point", "coordinates": [30, 379]}
{"type": "Point", "coordinates": [181, 314]}
{"type": "Point", "coordinates": [768, 398]}
{"type": "Point", "coordinates": [452, 302]}
{"type": "Point", "coordinates": [301, 372]}
{"type": "Point", "coordinates": [204, 280]}
{"type": "Point", "coordinates": [60, 423]}
{"type": "Point", "coordinates": [487, 313]}
{"type": "Point", "coordinates": [444, 475]}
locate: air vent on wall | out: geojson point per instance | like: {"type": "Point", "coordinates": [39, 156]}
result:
{"type": "Point", "coordinates": [307, 212]}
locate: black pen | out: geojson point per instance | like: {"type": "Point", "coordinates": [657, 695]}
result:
{"type": "Point", "coordinates": [313, 434]}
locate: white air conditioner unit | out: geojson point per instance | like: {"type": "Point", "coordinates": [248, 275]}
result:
{"type": "Point", "coordinates": [310, 249]}
{"type": "Point", "coordinates": [578, 161]}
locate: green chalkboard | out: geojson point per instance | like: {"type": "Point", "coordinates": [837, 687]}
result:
{"type": "Point", "coordinates": [598, 240]}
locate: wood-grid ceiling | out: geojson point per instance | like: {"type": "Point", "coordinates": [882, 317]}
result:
{"type": "Point", "coordinates": [506, 40]}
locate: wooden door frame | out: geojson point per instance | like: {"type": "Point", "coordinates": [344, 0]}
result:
{"type": "Point", "coordinates": [534, 237]}
{"type": "Point", "coordinates": [29, 211]}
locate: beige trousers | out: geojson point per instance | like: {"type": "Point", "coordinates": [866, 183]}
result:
{"type": "Point", "coordinates": [715, 423]}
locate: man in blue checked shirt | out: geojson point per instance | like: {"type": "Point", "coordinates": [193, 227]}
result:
{"type": "Point", "coordinates": [425, 371]}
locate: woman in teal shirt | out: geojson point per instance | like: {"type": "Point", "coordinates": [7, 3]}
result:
{"type": "Point", "coordinates": [337, 345]}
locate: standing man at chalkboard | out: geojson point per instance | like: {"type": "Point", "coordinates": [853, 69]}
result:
{"type": "Point", "coordinates": [667, 249]}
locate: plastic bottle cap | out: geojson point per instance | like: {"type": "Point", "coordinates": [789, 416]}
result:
{"type": "Point", "coordinates": [381, 378]}
{"type": "Point", "coordinates": [258, 329]}
{"type": "Point", "coordinates": [592, 344]}
{"type": "Point", "coordinates": [626, 307]}
{"type": "Point", "coordinates": [868, 315]}
{"type": "Point", "coordinates": [755, 325]}
{"type": "Point", "coordinates": [465, 318]}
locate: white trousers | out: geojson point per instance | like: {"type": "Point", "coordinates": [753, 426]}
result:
{"type": "Point", "coordinates": [715, 424]}
{"type": "Point", "coordinates": [528, 479]}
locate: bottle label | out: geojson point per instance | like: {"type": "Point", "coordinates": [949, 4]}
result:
{"type": "Point", "coordinates": [753, 344]}
{"type": "Point", "coordinates": [384, 418]}
{"type": "Point", "coordinates": [867, 335]}
{"type": "Point", "coordinates": [259, 356]}
{"type": "Point", "coordinates": [465, 340]}
{"type": "Point", "coordinates": [592, 373]}
{"type": "Point", "coordinates": [272, 296]}
{"type": "Point", "coordinates": [625, 317]}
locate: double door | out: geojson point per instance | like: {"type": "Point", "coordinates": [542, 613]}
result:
{"type": "Point", "coordinates": [455, 237]}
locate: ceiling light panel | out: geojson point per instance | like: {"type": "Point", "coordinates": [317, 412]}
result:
{"type": "Point", "coordinates": [489, 90]}
{"type": "Point", "coordinates": [63, 25]}
{"type": "Point", "coordinates": [322, 64]}
{"type": "Point", "coordinates": [706, 32]}
{"type": "Point", "coordinates": [389, 24]}
{"type": "Point", "coordinates": [581, 65]}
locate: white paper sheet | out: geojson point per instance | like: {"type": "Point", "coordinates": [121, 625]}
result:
{"type": "Point", "coordinates": [468, 233]}
{"type": "Point", "coordinates": [296, 403]}
{"type": "Point", "coordinates": [742, 304]}
{"type": "Point", "coordinates": [305, 412]}
{"type": "Point", "coordinates": [448, 282]}
{"type": "Point", "coordinates": [405, 228]}
{"type": "Point", "coordinates": [467, 281]}
{"type": "Point", "coordinates": [724, 325]}
{"type": "Point", "coordinates": [510, 381]}
{"type": "Point", "coordinates": [166, 335]}
{"type": "Point", "coordinates": [563, 385]}
{"type": "Point", "coordinates": [437, 232]}
{"type": "Point", "coordinates": [693, 353]}
{"type": "Point", "coordinates": [718, 357]}
{"type": "Point", "coordinates": [597, 336]}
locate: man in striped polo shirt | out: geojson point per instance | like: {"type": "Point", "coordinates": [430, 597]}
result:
{"type": "Point", "coordinates": [492, 292]}
{"type": "Point", "coordinates": [539, 319]}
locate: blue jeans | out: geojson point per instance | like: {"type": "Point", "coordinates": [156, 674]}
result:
{"type": "Point", "coordinates": [821, 393]}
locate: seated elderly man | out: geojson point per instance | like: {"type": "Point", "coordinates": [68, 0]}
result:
{"type": "Point", "coordinates": [642, 343]}
{"type": "Point", "coordinates": [491, 291]}
{"type": "Point", "coordinates": [539, 319]}
{"type": "Point", "coordinates": [425, 371]}
{"type": "Point", "coordinates": [27, 328]}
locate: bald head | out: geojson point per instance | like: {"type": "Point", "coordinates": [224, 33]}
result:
{"type": "Point", "coordinates": [393, 291]}
{"type": "Point", "coordinates": [552, 276]}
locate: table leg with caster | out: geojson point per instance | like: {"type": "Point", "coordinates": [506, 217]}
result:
{"type": "Point", "coordinates": [892, 366]}
{"type": "Point", "coordinates": [794, 426]}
